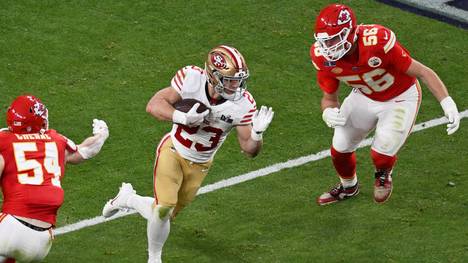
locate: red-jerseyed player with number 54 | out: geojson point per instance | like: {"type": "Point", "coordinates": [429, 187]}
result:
{"type": "Point", "coordinates": [184, 155]}
{"type": "Point", "coordinates": [385, 96]}
{"type": "Point", "coordinates": [32, 164]}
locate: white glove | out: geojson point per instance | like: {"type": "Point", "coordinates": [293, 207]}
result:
{"type": "Point", "coordinates": [100, 127]}
{"type": "Point", "coordinates": [191, 118]}
{"type": "Point", "coordinates": [333, 117]}
{"type": "Point", "coordinates": [260, 121]}
{"type": "Point", "coordinates": [451, 112]}
{"type": "Point", "coordinates": [92, 145]}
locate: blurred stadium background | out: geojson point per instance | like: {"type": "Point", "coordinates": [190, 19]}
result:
{"type": "Point", "coordinates": [105, 59]}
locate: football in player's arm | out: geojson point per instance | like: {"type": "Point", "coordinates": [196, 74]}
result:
{"type": "Point", "coordinates": [32, 164]}
{"type": "Point", "coordinates": [386, 96]}
{"type": "Point", "coordinates": [184, 156]}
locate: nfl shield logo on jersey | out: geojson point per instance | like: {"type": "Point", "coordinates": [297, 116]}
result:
{"type": "Point", "coordinates": [374, 62]}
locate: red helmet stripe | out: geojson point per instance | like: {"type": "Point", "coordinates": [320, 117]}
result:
{"type": "Point", "coordinates": [234, 54]}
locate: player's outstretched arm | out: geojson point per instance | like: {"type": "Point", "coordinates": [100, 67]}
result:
{"type": "Point", "coordinates": [251, 137]}
{"type": "Point", "coordinates": [160, 105]}
{"type": "Point", "coordinates": [91, 146]}
{"type": "Point", "coordinates": [438, 89]}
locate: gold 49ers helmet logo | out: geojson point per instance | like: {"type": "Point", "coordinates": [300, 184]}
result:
{"type": "Point", "coordinates": [218, 61]}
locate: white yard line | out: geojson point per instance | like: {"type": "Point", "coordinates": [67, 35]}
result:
{"type": "Point", "coordinates": [249, 176]}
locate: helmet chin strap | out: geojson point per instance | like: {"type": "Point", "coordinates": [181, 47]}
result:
{"type": "Point", "coordinates": [236, 95]}
{"type": "Point", "coordinates": [220, 90]}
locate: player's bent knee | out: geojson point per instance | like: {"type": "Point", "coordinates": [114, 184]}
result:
{"type": "Point", "coordinates": [343, 147]}
{"type": "Point", "coordinates": [388, 141]}
{"type": "Point", "coordinates": [343, 144]}
{"type": "Point", "coordinates": [163, 212]}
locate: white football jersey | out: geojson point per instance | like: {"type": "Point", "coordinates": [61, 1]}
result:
{"type": "Point", "coordinates": [199, 144]}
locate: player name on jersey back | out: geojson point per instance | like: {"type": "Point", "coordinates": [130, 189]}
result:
{"type": "Point", "coordinates": [33, 136]}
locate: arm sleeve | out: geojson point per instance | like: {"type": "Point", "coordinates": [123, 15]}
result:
{"type": "Point", "coordinates": [327, 83]}
{"type": "Point", "coordinates": [70, 146]}
{"type": "Point", "coordinates": [250, 109]}
{"type": "Point", "coordinates": [177, 81]}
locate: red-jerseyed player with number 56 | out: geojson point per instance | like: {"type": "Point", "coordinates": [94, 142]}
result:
{"type": "Point", "coordinates": [32, 164]}
{"type": "Point", "coordinates": [385, 96]}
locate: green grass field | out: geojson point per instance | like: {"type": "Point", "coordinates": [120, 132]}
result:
{"type": "Point", "coordinates": [105, 59]}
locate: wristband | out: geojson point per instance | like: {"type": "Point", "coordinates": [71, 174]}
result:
{"type": "Point", "coordinates": [256, 136]}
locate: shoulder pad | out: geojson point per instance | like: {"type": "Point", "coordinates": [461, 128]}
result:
{"type": "Point", "coordinates": [378, 36]}
{"type": "Point", "coordinates": [386, 38]}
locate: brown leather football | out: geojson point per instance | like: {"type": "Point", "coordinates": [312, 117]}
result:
{"type": "Point", "coordinates": [185, 105]}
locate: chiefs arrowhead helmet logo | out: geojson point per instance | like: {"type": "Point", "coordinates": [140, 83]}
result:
{"type": "Point", "coordinates": [38, 109]}
{"type": "Point", "coordinates": [344, 17]}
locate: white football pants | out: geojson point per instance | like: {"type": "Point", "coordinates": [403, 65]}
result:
{"type": "Point", "coordinates": [392, 121]}
{"type": "Point", "coordinates": [21, 242]}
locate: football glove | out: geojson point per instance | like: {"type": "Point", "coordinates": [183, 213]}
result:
{"type": "Point", "coordinates": [333, 117]}
{"type": "Point", "coordinates": [191, 118]}
{"type": "Point", "coordinates": [100, 128]}
{"type": "Point", "coordinates": [260, 121]}
{"type": "Point", "coordinates": [451, 112]}
{"type": "Point", "coordinates": [92, 145]}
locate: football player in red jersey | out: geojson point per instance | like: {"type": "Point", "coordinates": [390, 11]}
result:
{"type": "Point", "coordinates": [385, 96]}
{"type": "Point", "coordinates": [32, 164]}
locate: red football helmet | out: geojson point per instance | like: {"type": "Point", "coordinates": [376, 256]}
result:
{"type": "Point", "coordinates": [27, 114]}
{"type": "Point", "coordinates": [227, 72]}
{"type": "Point", "coordinates": [335, 31]}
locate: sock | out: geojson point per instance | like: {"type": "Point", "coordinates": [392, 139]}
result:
{"type": "Point", "coordinates": [142, 204]}
{"type": "Point", "coordinates": [348, 182]}
{"type": "Point", "coordinates": [383, 162]}
{"type": "Point", "coordinates": [345, 166]}
{"type": "Point", "coordinates": [158, 229]}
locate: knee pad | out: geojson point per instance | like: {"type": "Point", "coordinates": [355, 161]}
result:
{"type": "Point", "coordinates": [343, 145]}
{"type": "Point", "coordinates": [388, 141]}
{"type": "Point", "coordinates": [393, 131]}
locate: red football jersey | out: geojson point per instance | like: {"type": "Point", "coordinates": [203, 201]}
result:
{"type": "Point", "coordinates": [377, 69]}
{"type": "Point", "coordinates": [34, 166]}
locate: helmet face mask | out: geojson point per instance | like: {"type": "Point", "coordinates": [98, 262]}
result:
{"type": "Point", "coordinates": [27, 114]}
{"type": "Point", "coordinates": [336, 46]}
{"type": "Point", "coordinates": [335, 31]}
{"type": "Point", "coordinates": [227, 72]}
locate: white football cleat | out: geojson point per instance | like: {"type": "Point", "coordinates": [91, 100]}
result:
{"type": "Point", "coordinates": [119, 202]}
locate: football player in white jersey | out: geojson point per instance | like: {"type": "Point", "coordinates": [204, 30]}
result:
{"type": "Point", "coordinates": [184, 156]}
